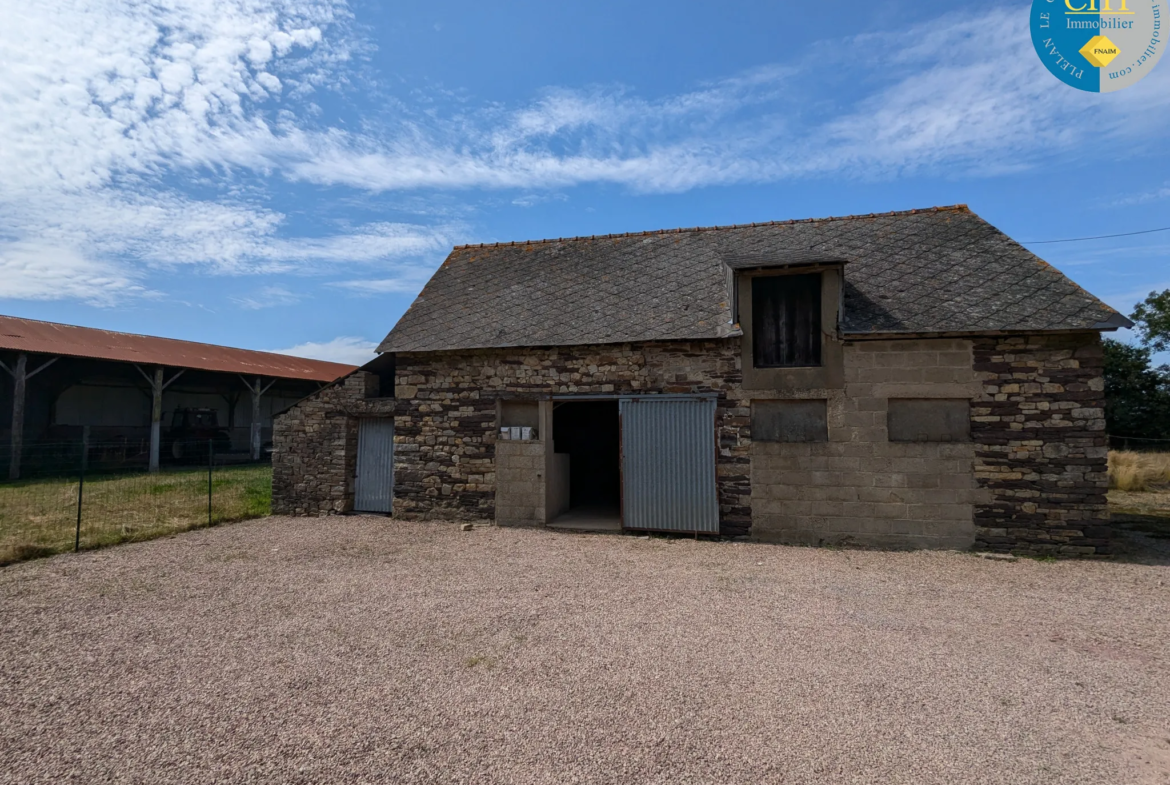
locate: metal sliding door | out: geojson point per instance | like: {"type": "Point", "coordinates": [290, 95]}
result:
{"type": "Point", "coordinates": [374, 485]}
{"type": "Point", "coordinates": [668, 465]}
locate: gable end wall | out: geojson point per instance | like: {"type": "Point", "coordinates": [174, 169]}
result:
{"type": "Point", "coordinates": [314, 447]}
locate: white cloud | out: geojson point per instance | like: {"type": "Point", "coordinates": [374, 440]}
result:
{"type": "Point", "coordinates": [107, 104]}
{"type": "Point", "coordinates": [533, 199]}
{"type": "Point", "coordinates": [32, 272]}
{"type": "Point", "coordinates": [407, 284]}
{"type": "Point", "coordinates": [940, 104]}
{"type": "Point", "coordinates": [193, 84]}
{"type": "Point", "coordinates": [345, 349]}
{"type": "Point", "coordinates": [98, 88]}
{"type": "Point", "coordinates": [105, 245]}
{"type": "Point", "coordinates": [372, 243]}
{"type": "Point", "coordinates": [112, 111]}
{"type": "Point", "coordinates": [268, 297]}
{"type": "Point", "coordinates": [1149, 196]}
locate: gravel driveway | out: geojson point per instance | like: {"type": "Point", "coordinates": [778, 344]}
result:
{"type": "Point", "coordinates": [368, 650]}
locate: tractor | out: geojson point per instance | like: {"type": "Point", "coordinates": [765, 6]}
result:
{"type": "Point", "coordinates": [191, 430]}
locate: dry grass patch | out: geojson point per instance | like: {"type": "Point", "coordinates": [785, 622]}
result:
{"type": "Point", "coordinates": [1139, 471]}
{"type": "Point", "coordinates": [1139, 493]}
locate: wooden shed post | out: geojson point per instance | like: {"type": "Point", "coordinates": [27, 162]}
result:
{"type": "Point", "coordinates": [20, 376]}
{"type": "Point", "coordinates": [156, 392]}
{"type": "Point", "coordinates": [256, 420]}
{"type": "Point", "coordinates": [258, 389]}
{"type": "Point", "coordinates": [19, 383]}
{"type": "Point", "coordinates": [156, 386]}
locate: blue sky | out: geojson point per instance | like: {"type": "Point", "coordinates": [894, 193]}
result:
{"type": "Point", "coordinates": [286, 175]}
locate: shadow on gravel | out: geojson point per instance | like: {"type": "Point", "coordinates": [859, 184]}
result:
{"type": "Point", "coordinates": [1145, 538]}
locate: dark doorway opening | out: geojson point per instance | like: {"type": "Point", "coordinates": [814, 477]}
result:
{"type": "Point", "coordinates": [589, 432]}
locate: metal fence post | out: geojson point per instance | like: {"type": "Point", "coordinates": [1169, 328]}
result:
{"type": "Point", "coordinates": [80, 494]}
{"type": "Point", "coordinates": [210, 464]}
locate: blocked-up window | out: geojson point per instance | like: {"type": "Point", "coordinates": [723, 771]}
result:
{"type": "Point", "coordinates": [519, 419]}
{"type": "Point", "coordinates": [929, 420]}
{"type": "Point", "coordinates": [786, 321]}
{"type": "Point", "coordinates": [790, 421]}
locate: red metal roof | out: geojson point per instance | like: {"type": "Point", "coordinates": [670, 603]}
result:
{"type": "Point", "coordinates": [29, 335]}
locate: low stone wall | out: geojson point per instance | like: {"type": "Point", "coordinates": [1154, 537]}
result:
{"type": "Point", "coordinates": [1041, 446]}
{"type": "Point", "coordinates": [314, 446]}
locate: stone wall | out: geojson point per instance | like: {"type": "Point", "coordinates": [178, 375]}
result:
{"type": "Point", "coordinates": [445, 434]}
{"type": "Point", "coordinates": [1042, 449]}
{"type": "Point", "coordinates": [1032, 479]}
{"type": "Point", "coordinates": [859, 487]}
{"type": "Point", "coordinates": [314, 443]}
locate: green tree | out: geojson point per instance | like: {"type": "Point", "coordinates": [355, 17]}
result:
{"type": "Point", "coordinates": [1152, 319]}
{"type": "Point", "coordinates": [1137, 397]}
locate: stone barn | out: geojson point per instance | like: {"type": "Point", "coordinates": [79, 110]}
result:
{"type": "Point", "coordinates": [909, 379]}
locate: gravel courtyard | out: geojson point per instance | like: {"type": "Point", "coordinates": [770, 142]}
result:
{"type": "Point", "coordinates": [369, 650]}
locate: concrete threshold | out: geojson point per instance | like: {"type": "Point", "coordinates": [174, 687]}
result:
{"type": "Point", "coordinates": [589, 519]}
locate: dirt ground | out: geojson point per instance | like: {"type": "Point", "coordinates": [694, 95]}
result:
{"type": "Point", "coordinates": [1151, 503]}
{"type": "Point", "coordinates": [369, 650]}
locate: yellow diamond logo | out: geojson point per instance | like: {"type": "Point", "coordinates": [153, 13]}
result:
{"type": "Point", "coordinates": [1100, 51]}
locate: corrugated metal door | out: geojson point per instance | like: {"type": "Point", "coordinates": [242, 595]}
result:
{"type": "Point", "coordinates": [374, 486]}
{"type": "Point", "coordinates": [668, 465]}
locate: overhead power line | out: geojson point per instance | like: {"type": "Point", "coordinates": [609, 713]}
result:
{"type": "Point", "coordinates": [1098, 237]}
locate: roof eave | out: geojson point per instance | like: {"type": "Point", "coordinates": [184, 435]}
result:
{"type": "Point", "coordinates": [1115, 322]}
{"type": "Point", "coordinates": [905, 334]}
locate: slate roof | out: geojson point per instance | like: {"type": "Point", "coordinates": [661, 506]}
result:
{"type": "Point", "coordinates": [940, 270]}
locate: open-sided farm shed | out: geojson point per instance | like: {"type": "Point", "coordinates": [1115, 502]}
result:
{"type": "Point", "coordinates": [130, 393]}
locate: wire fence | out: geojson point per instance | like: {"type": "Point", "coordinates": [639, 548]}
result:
{"type": "Point", "coordinates": [126, 448]}
{"type": "Point", "coordinates": [1136, 444]}
{"type": "Point", "coordinates": [104, 499]}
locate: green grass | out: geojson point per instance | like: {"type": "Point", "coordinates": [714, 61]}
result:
{"type": "Point", "coordinates": [39, 517]}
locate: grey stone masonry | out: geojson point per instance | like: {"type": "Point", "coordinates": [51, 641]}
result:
{"type": "Point", "coordinates": [445, 429]}
{"type": "Point", "coordinates": [315, 446]}
{"type": "Point", "coordinates": [1041, 446]}
{"type": "Point", "coordinates": [1030, 478]}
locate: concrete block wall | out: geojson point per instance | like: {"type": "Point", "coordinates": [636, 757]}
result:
{"type": "Point", "coordinates": [520, 483]}
{"type": "Point", "coordinates": [858, 487]}
{"type": "Point", "coordinates": [557, 485]}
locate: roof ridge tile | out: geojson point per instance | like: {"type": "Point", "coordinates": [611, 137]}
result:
{"type": "Point", "coordinates": [954, 208]}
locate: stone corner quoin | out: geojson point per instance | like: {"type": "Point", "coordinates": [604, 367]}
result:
{"type": "Point", "coordinates": [1042, 446]}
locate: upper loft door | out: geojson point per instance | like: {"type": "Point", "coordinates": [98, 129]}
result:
{"type": "Point", "coordinates": [668, 465]}
{"type": "Point", "coordinates": [374, 484]}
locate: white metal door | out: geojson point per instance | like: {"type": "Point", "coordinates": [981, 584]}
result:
{"type": "Point", "coordinates": [668, 465]}
{"type": "Point", "coordinates": [374, 485]}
